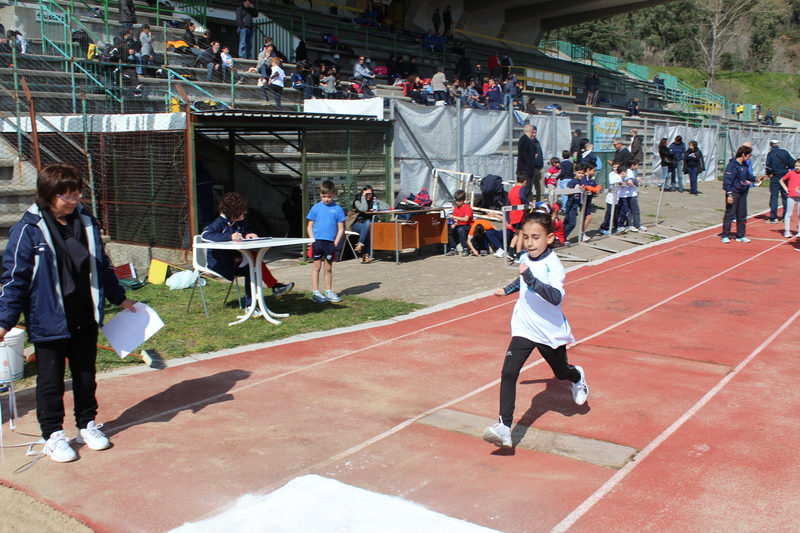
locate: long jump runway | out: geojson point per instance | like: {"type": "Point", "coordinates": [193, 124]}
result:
{"type": "Point", "coordinates": [690, 354]}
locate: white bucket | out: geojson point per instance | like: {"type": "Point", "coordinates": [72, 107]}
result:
{"type": "Point", "coordinates": [12, 360]}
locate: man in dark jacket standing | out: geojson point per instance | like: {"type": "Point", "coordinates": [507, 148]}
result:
{"type": "Point", "coordinates": [779, 162]}
{"type": "Point", "coordinates": [447, 18]}
{"type": "Point", "coordinates": [622, 153]}
{"type": "Point", "coordinates": [635, 146]}
{"type": "Point", "coordinates": [436, 19]}
{"type": "Point", "coordinates": [127, 13]}
{"type": "Point", "coordinates": [245, 14]}
{"type": "Point", "coordinates": [530, 161]}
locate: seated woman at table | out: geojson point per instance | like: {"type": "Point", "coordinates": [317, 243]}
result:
{"type": "Point", "coordinates": [364, 204]}
{"type": "Point", "coordinates": [231, 226]}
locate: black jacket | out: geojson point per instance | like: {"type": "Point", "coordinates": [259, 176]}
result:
{"type": "Point", "coordinates": [779, 162]}
{"type": "Point", "coordinates": [245, 16]}
{"type": "Point", "coordinates": [529, 155]}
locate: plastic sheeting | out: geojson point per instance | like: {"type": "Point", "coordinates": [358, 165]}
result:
{"type": "Point", "coordinates": [484, 134]}
{"type": "Point", "coordinates": [369, 107]}
{"type": "Point", "coordinates": [706, 141]}
{"type": "Point", "coordinates": [760, 139]}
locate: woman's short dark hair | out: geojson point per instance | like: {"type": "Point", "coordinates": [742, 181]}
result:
{"type": "Point", "coordinates": [743, 151]}
{"type": "Point", "coordinates": [678, 139]}
{"type": "Point", "coordinates": [56, 179]}
{"type": "Point", "coordinates": [233, 205]}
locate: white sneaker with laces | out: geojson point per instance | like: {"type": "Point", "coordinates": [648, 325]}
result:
{"type": "Point", "coordinates": [580, 390]}
{"type": "Point", "coordinates": [93, 437]}
{"type": "Point", "coordinates": [586, 238]}
{"type": "Point", "coordinates": [500, 253]}
{"type": "Point", "coordinates": [642, 228]}
{"type": "Point", "coordinates": [58, 448]}
{"type": "Point", "coordinates": [332, 296]}
{"type": "Point", "coordinates": [787, 234]}
{"type": "Point", "coordinates": [499, 435]}
{"type": "Point", "coordinates": [633, 229]}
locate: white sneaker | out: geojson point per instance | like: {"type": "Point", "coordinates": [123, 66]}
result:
{"type": "Point", "coordinates": [332, 296]}
{"type": "Point", "coordinates": [632, 229]}
{"type": "Point", "coordinates": [586, 238]}
{"type": "Point", "coordinates": [58, 448]}
{"type": "Point", "coordinates": [787, 234]}
{"type": "Point", "coordinates": [93, 437]}
{"type": "Point", "coordinates": [580, 390]}
{"type": "Point", "coordinates": [500, 253]}
{"type": "Point", "coordinates": [642, 228]}
{"type": "Point", "coordinates": [499, 435]}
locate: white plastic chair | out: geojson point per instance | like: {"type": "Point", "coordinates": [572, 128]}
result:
{"type": "Point", "coordinates": [347, 235]}
{"type": "Point", "coordinates": [200, 263]}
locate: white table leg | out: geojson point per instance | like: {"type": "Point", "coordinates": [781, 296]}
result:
{"type": "Point", "coordinates": [269, 316]}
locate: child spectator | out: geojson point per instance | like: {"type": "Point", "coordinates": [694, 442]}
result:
{"type": "Point", "coordinates": [632, 175]}
{"type": "Point", "coordinates": [537, 322]}
{"type": "Point", "coordinates": [566, 171]}
{"type": "Point", "coordinates": [550, 181]}
{"type": "Point", "coordinates": [460, 223]}
{"type": "Point", "coordinates": [612, 199]}
{"type": "Point", "coordinates": [790, 183]}
{"type": "Point", "coordinates": [231, 226]}
{"type": "Point", "coordinates": [227, 62]}
{"type": "Point", "coordinates": [558, 227]}
{"type": "Point", "coordinates": [482, 234]}
{"type": "Point", "coordinates": [516, 196]}
{"type": "Point", "coordinates": [584, 181]}
{"type": "Point", "coordinates": [326, 227]}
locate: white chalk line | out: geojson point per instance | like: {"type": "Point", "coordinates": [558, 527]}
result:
{"type": "Point", "coordinates": [614, 480]}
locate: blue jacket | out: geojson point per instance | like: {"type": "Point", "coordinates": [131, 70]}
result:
{"type": "Point", "coordinates": [30, 283]}
{"type": "Point", "coordinates": [223, 262]}
{"type": "Point", "coordinates": [779, 162]}
{"type": "Point", "coordinates": [678, 150]}
{"type": "Point", "coordinates": [737, 177]}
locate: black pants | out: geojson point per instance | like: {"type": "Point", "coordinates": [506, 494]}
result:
{"type": "Point", "coordinates": [738, 209]}
{"type": "Point", "coordinates": [518, 352]}
{"type": "Point", "coordinates": [81, 352]}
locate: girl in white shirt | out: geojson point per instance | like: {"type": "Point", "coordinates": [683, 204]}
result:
{"type": "Point", "coordinates": [274, 85]}
{"type": "Point", "coordinates": [537, 322]}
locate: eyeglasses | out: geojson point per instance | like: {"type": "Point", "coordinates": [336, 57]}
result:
{"type": "Point", "coordinates": [70, 198]}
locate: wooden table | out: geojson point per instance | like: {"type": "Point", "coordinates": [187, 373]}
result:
{"type": "Point", "coordinates": [260, 246]}
{"type": "Point", "coordinates": [426, 226]}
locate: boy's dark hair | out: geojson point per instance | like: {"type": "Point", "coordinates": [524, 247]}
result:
{"type": "Point", "coordinates": [581, 166]}
{"type": "Point", "coordinates": [615, 162]}
{"type": "Point", "coordinates": [589, 166]}
{"type": "Point", "coordinates": [460, 195]}
{"type": "Point", "coordinates": [233, 205]}
{"type": "Point", "coordinates": [480, 231]}
{"type": "Point", "coordinates": [633, 162]}
{"type": "Point", "coordinates": [564, 154]}
{"type": "Point", "coordinates": [541, 218]}
{"type": "Point", "coordinates": [521, 177]}
{"type": "Point", "coordinates": [327, 187]}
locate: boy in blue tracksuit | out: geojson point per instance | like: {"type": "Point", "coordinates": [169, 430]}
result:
{"type": "Point", "coordinates": [584, 180]}
{"type": "Point", "coordinates": [736, 183]}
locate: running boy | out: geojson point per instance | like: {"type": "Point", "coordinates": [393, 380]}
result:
{"type": "Point", "coordinates": [537, 322]}
{"type": "Point", "coordinates": [326, 227]}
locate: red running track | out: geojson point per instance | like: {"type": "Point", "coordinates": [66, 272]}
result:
{"type": "Point", "coordinates": [688, 352]}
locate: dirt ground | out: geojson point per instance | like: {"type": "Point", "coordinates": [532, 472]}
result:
{"type": "Point", "coordinates": [431, 278]}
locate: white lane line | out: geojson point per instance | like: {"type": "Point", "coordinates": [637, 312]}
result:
{"type": "Point", "coordinates": [609, 485]}
{"type": "Point", "coordinates": [681, 293]}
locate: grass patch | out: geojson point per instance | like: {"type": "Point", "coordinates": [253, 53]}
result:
{"type": "Point", "coordinates": [190, 333]}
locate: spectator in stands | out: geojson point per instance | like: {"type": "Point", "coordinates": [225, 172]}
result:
{"type": "Point", "coordinates": [204, 41]}
{"type": "Point", "coordinates": [509, 90]}
{"type": "Point", "coordinates": [494, 65]}
{"type": "Point", "coordinates": [411, 89]}
{"type": "Point", "coordinates": [530, 107]}
{"type": "Point", "coordinates": [436, 19]}
{"type": "Point", "coordinates": [301, 79]}
{"type": "Point", "coordinates": [622, 153]}
{"type": "Point", "coordinates": [635, 146]}
{"type": "Point", "coordinates": [596, 96]}
{"type": "Point", "coordinates": [588, 85]}
{"type": "Point", "coordinates": [127, 13]}
{"type": "Point", "coordinates": [191, 42]}
{"type": "Point", "coordinates": [245, 14]}
{"type": "Point", "coordinates": [477, 75]}
{"type": "Point", "coordinates": [146, 38]}
{"type": "Point", "coordinates": [411, 66]}
{"type": "Point", "coordinates": [211, 59]}
{"type": "Point", "coordinates": [769, 120]}
{"type": "Point", "coordinates": [494, 95]}
{"type": "Point", "coordinates": [392, 66]}
{"type": "Point", "coordinates": [439, 85]}
{"type": "Point", "coordinates": [739, 111]}
{"type": "Point", "coordinates": [264, 61]}
{"type": "Point", "coordinates": [678, 149]}
{"type": "Point", "coordinates": [274, 84]}
{"type": "Point", "coordinates": [18, 41]}
{"type": "Point", "coordinates": [227, 63]}
{"type": "Point", "coordinates": [658, 82]}
{"type": "Point", "coordinates": [329, 83]}
{"type": "Point", "coordinates": [301, 52]}
{"type": "Point", "coordinates": [505, 66]}
{"type": "Point", "coordinates": [429, 42]}
{"type": "Point", "coordinates": [633, 107]}
{"type": "Point", "coordinates": [472, 98]}
{"type": "Point", "coordinates": [447, 18]}
{"type": "Point", "coordinates": [463, 69]}
{"type": "Point", "coordinates": [362, 71]}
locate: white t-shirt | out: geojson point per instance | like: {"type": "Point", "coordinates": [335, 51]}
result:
{"type": "Point", "coordinates": [536, 319]}
{"type": "Point", "coordinates": [277, 80]}
{"type": "Point", "coordinates": [634, 189]}
{"type": "Point", "coordinates": [613, 193]}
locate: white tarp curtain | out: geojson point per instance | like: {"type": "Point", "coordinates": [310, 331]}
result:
{"type": "Point", "coordinates": [99, 123]}
{"type": "Point", "coordinates": [706, 141]}
{"type": "Point", "coordinates": [484, 134]}
{"type": "Point", "coordinates": [369, 107]}
{"type": "Point", "coordinates": [760, 139]}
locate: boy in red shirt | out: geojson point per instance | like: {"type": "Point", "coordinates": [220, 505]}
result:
{"type": "Point", "coordinates": [460, 221]}
{"type": "Point", "coordinates": [517, 196]}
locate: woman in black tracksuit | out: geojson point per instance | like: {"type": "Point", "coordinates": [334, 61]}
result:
{"type": "Point", "coordinates": [693, 165]}
{"type": "Point", "coordinates": [667, 163]}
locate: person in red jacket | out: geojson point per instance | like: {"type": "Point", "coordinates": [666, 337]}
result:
{"type": "Point", "coordinates": [460, 222]}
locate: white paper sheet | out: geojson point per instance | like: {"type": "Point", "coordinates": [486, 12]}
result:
{"type": "Point", "coordinates": [127, 331]}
